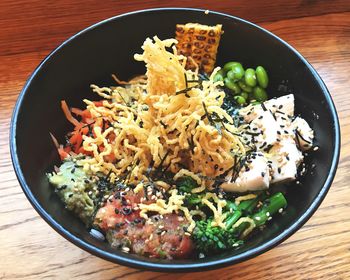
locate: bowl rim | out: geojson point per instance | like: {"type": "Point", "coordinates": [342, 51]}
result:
{"type": "Point", "coordinates": [171, 267]}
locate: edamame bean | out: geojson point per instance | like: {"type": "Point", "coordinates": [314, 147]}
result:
{"type": "Point", "coordinates": [236, 72]}
{"type": "Point", "coordinates": [250, 77]}
{"type": "Point", "coordinates": [232, 86]}
{"type": "Point", "coordinates": [259, 94]}
{"type": "Point", "coordinates": [262, 77]}
{"type": "Point", "coordinates": [240, 99]}
{"type": "Point", "coordinates": [245, 95]}
{"type": "Point", "coordinates": [231, 75]}
{"type": "Point", "coordinates": [228, 66]}
{"type": "Point", "coordinates": [218, 77]}
{"type": "Point", "coordinates": [244, 87]}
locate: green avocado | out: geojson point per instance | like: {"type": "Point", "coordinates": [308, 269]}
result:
{"type": "Point", "coordinates": [76, 190]}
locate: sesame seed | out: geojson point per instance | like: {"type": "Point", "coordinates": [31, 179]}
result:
{"type": "Point", "coordinates": [267, 214]}
{"type": "Point", "coordinates": [187, 233]}
{"type": "Point", "coordinates": [269, 219]}
{"type": "Point", "coordinates": [257, 218]}
{"type": "Point", "coordinates": [163, 232]}
{"type": "Point", "coordinates": [280, 210]}
{"type": "Point", "coordinates": [151, 236]}
{"type": "Point", "coordinates": [161, 226]}
{"type": "Point", "coordinates": [126, 249]}
{"type": "Point", "coordinates": [316, 148]}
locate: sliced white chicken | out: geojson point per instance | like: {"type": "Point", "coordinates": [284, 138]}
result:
{"type": "Point", "coordinates": [304, 134]}
{"type": "Point", "coordinates": [252, 177]}
{"type": "Point", "coordinates": [265, 128]}
{"type": "Point", "coordinates": [283, 104]}
{"type": "Point", "coordinates": [284, 159]}
{"type": "Point", "coordinates": [282, 107]}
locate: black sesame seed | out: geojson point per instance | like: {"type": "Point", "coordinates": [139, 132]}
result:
{"type": "Point", "coordinates": [86, 181]}
{"type": "Point", "coordinates": [278, 132]}
{"type": "Point", "coordinates": [116, 211]}
{"type": "Point", "coordinates": [62, 187]}
{"type": "Point", "coordinates": [279, 169]}
{"type": "Point", "coordinates": [70, 195]}
{"type": "Point", "coordinates": [127, 211]}
{"type": "Point", "coordinates": [262, 174]}
{"type": "Point", "coordinates": [280, 107]}
{"type": "Point", "coordinates": [216, 166]}
{"type": "Point", "coordinates": [285, 131]}
{"type": "Point", "coordinates": [73, 170]}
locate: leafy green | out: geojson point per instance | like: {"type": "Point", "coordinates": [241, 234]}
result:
{"type": "Point", "coordinates": [210, 238]}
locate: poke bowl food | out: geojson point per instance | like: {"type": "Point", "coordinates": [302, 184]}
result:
{"type": "Point", "coordinates": [182, 161]}
{"type": "Point", "coordinates": [193, 144]}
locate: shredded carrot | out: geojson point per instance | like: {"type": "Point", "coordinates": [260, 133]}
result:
{"type": "Point", "coordinates": [54, 140]}
{"type": "Point", "coordinates": [63, 152]}
{"type": "Point", "coordinates": [68, 114]}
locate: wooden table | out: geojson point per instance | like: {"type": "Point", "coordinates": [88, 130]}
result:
{"type": "Point", "coordinates": [31, 249]}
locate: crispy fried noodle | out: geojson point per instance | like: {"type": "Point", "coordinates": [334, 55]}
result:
{"type": "Point", "coordinates": [170, 118]}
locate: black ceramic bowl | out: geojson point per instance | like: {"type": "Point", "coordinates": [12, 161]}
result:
{"type": "Point", "coordinates": [108, 47]}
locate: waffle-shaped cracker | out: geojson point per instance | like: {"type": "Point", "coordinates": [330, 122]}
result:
{"type": "Point", "coordinates": [200, 42]}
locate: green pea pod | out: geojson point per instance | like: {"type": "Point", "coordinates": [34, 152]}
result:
{"type": "Point", "coordinates": [261, 75]}
{"type": "Point", "coordinates": [250, 77]}
{"type": "Point", "coordinates": [259, 94]}
{"type": "Point", "coordinates": [232, 86]}
{"type": "Point", "coordinates": [244, 87]}
{"type": "Point", "coordinates": [228, 66]}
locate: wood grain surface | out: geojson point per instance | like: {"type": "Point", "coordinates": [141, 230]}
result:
{"type": "Point", "coordinates": [31, 249]}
